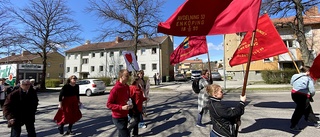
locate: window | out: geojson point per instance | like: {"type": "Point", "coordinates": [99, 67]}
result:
{"type": "Point", "coordinates": [92, 68]}
{"type": "Point", "coordinates": [48, 64]}
{"type": "Point", "coordinates": [48, 75]}
{"type": "Point", "coordinates": [120, 67]}
{"type": "Point", "coordinates": [289, 43]}
{"type": "Point", "coordinates": [93, 55]}
{"type": "Point", "coordinates": [68, 56]}
{"type": "Point", "coordinates": [75, 56]}
{"type": "Point", "coordinates": [75, 69]}
{"type": "Point", "coordinates": [154, 50]}
{"type": "Point", "coordinates": [68, 69]}
{"type": "Point", "coordinates": [61, 65]}
{"type": "Point", "coordinates": [120, 53]}
{"type": "Point", "coordinates": [60, 75]}
{"type": "Point", "coordinates": [143, 51]}
{"type": "Point", "coordinates": [110, 68]}
{"type": "Point", "coordinates": [111, 54]}
{"type": "Point", "coordinates": [154, 66]}
{"type": "Point", "coordinates": [143, 66]}
{"type": "Point", "coordinates": [268, 59]}
{"type": "Point", "coordinates": [101, 54]}
{"type": "Point", "coordinates": [84, 61]}
{"type": "Point", "coordinates": [100, 68]}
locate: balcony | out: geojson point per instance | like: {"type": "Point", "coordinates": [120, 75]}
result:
{"type": "Point", "coordinates": [296, 55]}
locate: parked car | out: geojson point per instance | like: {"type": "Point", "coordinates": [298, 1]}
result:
{"type": "Point", "coordinates": [180, 77]}
{"type": "Point", "coordinates": [216, 76]}
{"type": "Point", "coordinates": [195, 74]}
{"type": "Point", "coordinates": [91, 86]}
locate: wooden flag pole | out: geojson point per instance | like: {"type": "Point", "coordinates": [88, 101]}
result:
{"type": "Point", "coordinates": [209, 67]}
{"type": "Point", "coordinates": [244, 87]}
{"type": "Point", "coordinates": [293, 61]}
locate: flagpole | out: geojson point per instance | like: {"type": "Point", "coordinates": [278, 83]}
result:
{"type": "Point", "coordinates": [293, 61]}
{"type": "Point", "coordinates": [209, 67]}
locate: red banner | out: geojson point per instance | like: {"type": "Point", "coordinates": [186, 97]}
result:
{"type": "Point", "coordinates": [267, 43]}
{"type": "Point", "coordinates": [191, 46]}
{"type": "Point", "coordinates": [314, 69]}
{"type": "Point", "coordinates": [210, 17]}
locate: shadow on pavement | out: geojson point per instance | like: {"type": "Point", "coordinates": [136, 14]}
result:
{"type": "Point", "coordinates": [275, 104]}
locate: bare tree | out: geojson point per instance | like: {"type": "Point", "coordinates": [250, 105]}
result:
{"type": "Point", "coordinates": [6, 30]}
{"type": "Point", "coordinates": [127, 18]}
{"type": "Point", "coordinates": [47, 26]}
{"type": "Point", "coordinates": [296, 8]}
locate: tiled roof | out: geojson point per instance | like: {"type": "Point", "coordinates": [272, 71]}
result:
{"type": "Point", "coordinates": [114, 45]}
{"type": "Point", "coordinates": [311, 16]}
{"type": "Point", "coordinates": [198, 61]}
{"type": "Point", "coordinates": [17, 58]}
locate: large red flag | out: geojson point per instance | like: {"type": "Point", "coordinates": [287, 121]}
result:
{"type": "Point", "coordinates": [267, 43]}
{"type": "Point", "coordinates": [210, 17]}
{"type": "Point", "coordinates": [315, 68]}
{"type": "Point", "coordinates": [191, 46]}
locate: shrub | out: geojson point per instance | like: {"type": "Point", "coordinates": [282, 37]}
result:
{"type": "Point", "coordinates": [277, 76]}
{"type": "Point", "coordinates": [52, 82]}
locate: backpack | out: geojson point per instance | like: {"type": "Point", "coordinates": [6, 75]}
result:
{"type": "Point", "coordinates": [195, 85]}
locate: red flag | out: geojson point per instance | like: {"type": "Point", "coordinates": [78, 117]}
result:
{"type": "Point", "coordinates": [267, 43]}
{"type": "Point", "coordinates": [191, 46]}
{"type": "Point", "coordinates": [210, 17]}
{"type": "Point", "coordinates": [315, 68]}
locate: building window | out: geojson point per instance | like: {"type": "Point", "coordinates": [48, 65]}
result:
{"type": "Point", "coordinates": [93, 55]}
{"type": "Point", "coordinates": [61, 65]}
{"type": "Point", "coordinates": [110, 68]}
{"type": "Point", "coordinates": [111, 54]}
{"type": "Point", "coordinates": [154, 50]}
{"type": "Point", "coordinates": [60, 75]}
{"type": "Point", "coordinates": [68, 56]}
{"type": "Point", "coordinates": [120, 53]}
{"type": "Point", "coordinates": [154, 66]}
{"type": "Point", "coordinates": [48, 64]}
{"type": "Point", "coordinates": [92, 68]}
{"type": "Point", "coordinates": [84, 61]}
{"type": "Point", "coordinates": [143, 66]}
{"type": "Point", "coordinates": [268, 59]}
{"type": "Point", "coordinates": [48, 75]}
{"type": "Point", "coordinates": [143, 51]}
{"type": "Point", "coordinates": [100, 68]}
{"type": "Point", "coordinates": [75, 69]}
{"type": "Point", "coordinates": [76, 56]}
{"type": "Point", "coordinates": [68, 69]}
{"type": "Point", "coordinates": [120, 67]}
{"type": "Point", "coordinates": [101, 54]}
{"type": "Point", "coordinates": [289, 43]}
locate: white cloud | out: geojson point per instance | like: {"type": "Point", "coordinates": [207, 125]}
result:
{"type": "Point", "coordinates": [211, 46]}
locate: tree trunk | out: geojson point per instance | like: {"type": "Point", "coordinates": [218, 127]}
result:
{"type": "Point", "coordinates": [44, 71]}
{"type": "Point", "coordinates": [301, 38]}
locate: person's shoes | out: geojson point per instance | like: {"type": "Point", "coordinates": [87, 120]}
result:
{"type": "Point", "coordinates": [297, 129]}
{"type": "Point", "coordinates": [60, 130]}
{"type": "Point", "coordinates": [69, 133]}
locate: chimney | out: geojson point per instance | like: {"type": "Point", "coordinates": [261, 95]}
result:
{"type": "Point", "coordinates": [313, 11]}
{"type": "Point", "coordinates": [87, 42]}
{"type": "Point", "coordinates": [118, 39]}
{"type": "Point", "coordinates": [26, 53]}
{"type": "Point", "coordinates": [13, 54]}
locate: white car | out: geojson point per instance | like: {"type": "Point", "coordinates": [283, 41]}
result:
{"type": "Point", "coordinates": [91, 86]}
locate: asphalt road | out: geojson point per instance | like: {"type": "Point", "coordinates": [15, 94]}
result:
{"type": "Point", "coordinates": [172, 113]}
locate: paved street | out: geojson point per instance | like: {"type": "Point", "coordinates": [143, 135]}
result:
{"type": "Point", "coordinates": [172, 113]}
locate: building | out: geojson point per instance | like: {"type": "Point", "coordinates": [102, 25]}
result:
{"type": "Point", "coordinates": [29, 65]}
{"type": "Point", "coordinates": [280, 62]}
{"type": "Point", "coordinates": [105, 59]}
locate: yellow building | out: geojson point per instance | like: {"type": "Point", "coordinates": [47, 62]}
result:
{"type": "Point", "coordinates": [312, 32]}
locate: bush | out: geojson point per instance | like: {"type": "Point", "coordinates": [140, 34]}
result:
{"type": "Point", "coordinates": [277, 76]}
{"type": "Point", "coordinates": [52, 83]}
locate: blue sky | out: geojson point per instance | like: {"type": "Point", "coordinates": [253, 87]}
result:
{"type": "Point", "coordinates": [89, 23]}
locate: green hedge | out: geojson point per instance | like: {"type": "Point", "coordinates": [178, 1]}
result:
{"type": "Point", "coordinates": [52, 83]}
{"type": "Point", "coordinates": [277, 76]}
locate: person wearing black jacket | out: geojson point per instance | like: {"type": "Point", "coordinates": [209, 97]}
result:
{"type": "Point", "coordinates": [223, 118]}
{"type": "Point", "coordinates": [20, 109]}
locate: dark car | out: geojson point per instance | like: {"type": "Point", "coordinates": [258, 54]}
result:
{"type": "Point", "coordinates": [216, 76]}
{"type": "Point", "coordinates": [180, 77]}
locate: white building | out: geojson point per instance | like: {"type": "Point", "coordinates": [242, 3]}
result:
{"type": "Point", "coordinates": [105, 59]}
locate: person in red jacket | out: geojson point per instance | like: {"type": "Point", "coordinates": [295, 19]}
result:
{"type": "Point", "coordinates": [119, 103]}
{"type": "Point", "coordinates": [136, 94]}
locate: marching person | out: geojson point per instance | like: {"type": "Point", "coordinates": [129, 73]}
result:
{"type": "Point", "coordinates": [302, 92]}
{"type": "Point", "coordinates": [2, 92]}
{"type": "Point", "coordinates": [202, 96]}
{"type": "Point", "coordinates": [120, 103]}
{"type": "Point", "coordinates": [69, 102]}
{"type": "Point", "coordinates": [20, 109]}
{"type": "Point", "coordinates": [223, 119]}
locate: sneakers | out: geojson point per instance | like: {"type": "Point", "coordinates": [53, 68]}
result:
{"type": "Point", "coordinates": [297, 129]}
{"type": "Point", "coordinates": [69, 133]}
